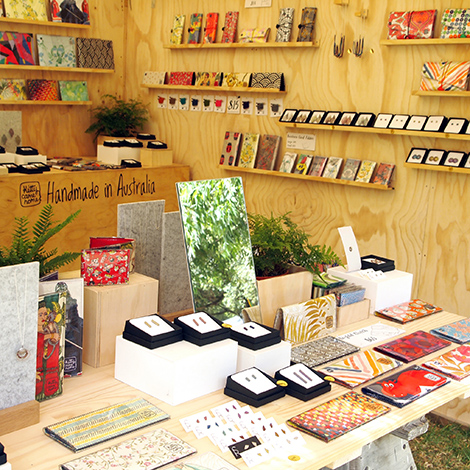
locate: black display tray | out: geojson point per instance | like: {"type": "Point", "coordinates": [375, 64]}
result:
{"type": "Point", "coordinates": [201, 339]}
{"type": "Point", "coordinates": [302, 393]}
{"type": "Point", "coordinates": [260, 342]}
{"type": "Point", "coordinates": [382, 264]}
{"type": "Point", "coordinates": [252, 401]}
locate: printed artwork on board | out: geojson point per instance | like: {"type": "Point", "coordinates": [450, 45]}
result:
{"type": "Point", "coordinates": [16, 48]}
{"type": "Point", "coordinates": [12, 89]}
{"type": "Point", "coordinates": [56, 51]}
{"type": "Point", "coordinates": [70, 11]}
{"type": "Point", "coordinates": [26, 9]}
{"type": "Point", "coordinates": [73, 90]}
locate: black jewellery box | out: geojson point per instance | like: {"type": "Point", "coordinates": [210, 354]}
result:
{"type": "Point", "coordinates": [253, 387]}
{"type": "Point", "coordinates": [202, 329]}
{"type": "Point", "coordinates": [26, 151]}
{"type": "Point", "coordinates": [254, 336]}
{"type": "Point", "coordinates": [302, 382]}
{"type": "Point", "coordinates": [152, 331]}
{"type": "Point", "coordinates": [377, 263]}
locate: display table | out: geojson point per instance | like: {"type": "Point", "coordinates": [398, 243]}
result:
{"type": "Point", "coordinates": [97, 388]}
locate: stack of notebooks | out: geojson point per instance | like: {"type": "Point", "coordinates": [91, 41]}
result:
{"type": "Point", "coordinates": [408, 311]}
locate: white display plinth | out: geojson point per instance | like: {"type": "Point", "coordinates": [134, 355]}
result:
{"type": "Point", "coordinates": [269, 359]}
{"type": "Point", "coordinates": [392, 289]}
{"type": "Point", "coordinates": [114, 155]}
{"type": "Point", "coordinates": [178, 372]}
{"type": "Point", "coordinates": [24, 159]}
{"type": "Point", "coordinates": [7, 157]}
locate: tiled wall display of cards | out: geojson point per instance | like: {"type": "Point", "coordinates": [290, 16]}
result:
{"type": "Point", "coordinates": [439, 158]}
{"type": "Point", "coordinates": [201, 322]}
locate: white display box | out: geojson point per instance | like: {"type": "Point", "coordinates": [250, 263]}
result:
{"type": "Point", "coordinates": [269, 359]}
{"type": "Point", "coordinates": [23, 159]}
{"type": "Point", "coordinates": [178, 372]}
{"type": "Point", "coordinates": [114, 155]}
{"type": "Point", "coordinates": [391, 289]}
{"type": "Point", "coordinates": [8, 157]}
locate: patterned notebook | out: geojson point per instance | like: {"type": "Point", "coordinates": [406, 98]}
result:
{"type": "Point", "coordinates": [26, 9]}
{"type": "Point", "coordinates": [320, 351]}
{"type": "Point", "coordinates": [284, 24]}
{"type": "Point", "coordinates": [454, 364]}
{"type": "Point", "coordinates": [413, 346]}
{"type": "Point", "coordinates": [318, 166]}
{"type": "Point", "coordinates": [333, 165]}
{"type": "Point", "coordinates": [16, 48]}
{"type": "Point", "coordinates": [455, 23]}
{"type": "Point", "coordinates": [307, 24]}
{"type": "Point", "coordinates": [288, 162]}
{"type": "Point", "coordinates": [208, 79]}
{"type": "Point", "coordinates": [56, 51]}
{"type": "Point", "coordinates": [177, 31]}
{"type": "Point", "coordinates": [350, 169]}
{"type": "Point", "coordinates": [408, 311]}
{"type": "Point", "coordinates": [95, 53]}
{"type": "Point", "coordinates": [338, 416]}
{"type": "Point", "coordinates": [268, 150]}
{"type": "Point", "coordinates": [230, 27]}
{"type": "Point", "coordinates": [149, 451]}
{"type": "Point", "coordinates": [365, 172]}
{"type": "Point", "coordinates": [406, 386]}
{"type": "Point", "coordinates": [43, 90]}
{"type": "Point", "coordinates": [210, 31]}
{"type": "Point", "coordinates": [236, 80]}
{"type": "Point", "coordinates": [107, 423]}
{"type": "Point", "coordinates": [458, 332]}
{"type": "Point", "coordinates": [360, 368]}
{"type": "Point", "coordinates": [383, 174]}
{"type": "Point", "coordinates": [249, 150]}
{"type": "Point", "coordinates": [230, 148]}
{"type": "Point", "coordinates": [195, 24]}
{"type": "Point", "coordinates": [73, 90]}
{"type": "Point", "coordinates": [303, 164]}
{"type": "Point", "coordinates": [13, 89]}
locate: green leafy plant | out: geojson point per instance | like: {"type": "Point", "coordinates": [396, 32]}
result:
{"type": "Point", "coordinates": [118, 118]}
{"type": "Point", "coordinates": [278, 243]}
{"type": "Point", "coordinates": [27, 247]}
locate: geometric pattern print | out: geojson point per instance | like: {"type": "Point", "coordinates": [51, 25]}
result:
{"type": "Point", "coordinates": [445, 76]}
{"type": "Point", "coordinates": [43, 90]}
{"type": "Point", "coordinates": [307, 24]}
{"type": "Point", "coordinates": [338, 416]}
{"type": "Point", "coordinates": [95, 53]}
{"type": "Point", "coordinates": [455, 363]}
{"type": "Point", "coordinates": [455, 23]}
{"type": "Point", "coordinates": [360, 368]}
{"type": "Point", "coordinates": [16, 48]}
{"type": "Point", "coordinates": [284, 26]}
{"type": "Point", "coordinates": [309, 320]}
{"type": "Point", "coordinates": [267, 80]}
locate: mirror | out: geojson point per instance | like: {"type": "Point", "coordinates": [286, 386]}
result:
{"type": "Point", "coordinates": [218, 247]}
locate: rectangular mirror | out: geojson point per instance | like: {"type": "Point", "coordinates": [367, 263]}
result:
{"type": "Point", "coordinates": [218, 247]}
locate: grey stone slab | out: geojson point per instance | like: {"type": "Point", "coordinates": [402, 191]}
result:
{"type": "Point", "coordinates": [143, 221]}
{"type": "Point", "coordinates": [19, 320]}
{"type": "Point", "coordinates": [175, 287]}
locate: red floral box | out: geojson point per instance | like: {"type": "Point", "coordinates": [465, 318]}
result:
{"type": "Point", "coordinates": [105, 267]}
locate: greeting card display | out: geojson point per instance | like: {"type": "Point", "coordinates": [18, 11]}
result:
{"type": "Point", "coordinates": [333, 165]}
{"type": "Point", "coordinates": [454, 364]}
{"type": "Point", "coordinates": [284, 24]}
{"type": "Point", "coordinates": [43, 90]}
{"type": "Point", "coordinates": [254, 35]}
{"type": "Point", "coordinates": [408, 311]}
{"type": "Point", "coordinates": [195, 24]}
{"type": "Point", "coordinates": [210, 31]}
{"type": "Point", "coordinates": [458, 332]}
{"type": "Point", "coordinates": [267, 152]}
{"type": "Point", "coordinates": [16, 48]}
{"type": "Point", "coordinates": [255, 336]}
{"type": "Point", "coordinates": [307, 24]}
{"type": "Point", "coordinates": [405, 387]}
{"type": "Point", "coordinates": [254, 387]}
{"type": "Point", "coordinates": [13, 89]}
{"type": "Point", "coordinates": [303, 164]}
{"type": "Point", "coordinates": [350, 169]}
{"type": "Point", "coordinates": [105, 267]}
{"type": "Point", "coordinates": [366, 170]}
{"type": "Point", "coordinates": [200, 328]}
{"type": "Point", "coordinates": [302, 382]}
{"type": "Point", "coordinates": [230, 27]}
{"type": "Point", "coordinates": [445, 76]}
{"type": "Point", "coordinates": [338, 416]}
{"type": "Point", "coordinates": [318, 166]}
{"type": "Point", "coordinates": [176, 37]}
{"type": "Point", "coordinates": [249, 150]}
{"type": "Point", "coordinates": [230, 148]}
{"type": "Point", "coordinates": [383, 175]}
{"type": "Point", "coordinates": [413, 346]}
{"type": "Point", "coordinates": [288, 162]}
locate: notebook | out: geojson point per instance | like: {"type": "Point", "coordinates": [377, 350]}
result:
{"type": "Point", "coordinates": [458, 332]}
{"type": "Point", "coordinates": [230, 148]}
{"type": "Point", "coordinates": [149, 451]}
{"type": "Point", "coordinates": [413, 346]}
{"type": "Point", "coordinates": [338, 416]}
{"type": "Point", "coordinates": [288, 162]}
{"type": "Point", "coordinates": [268, 150]}
{"type": "Point", "coordinates": [73, 90]}
{"type": "Point", "coordinates": [333, 165]}
{"type": "Point", "coordinates": [408, 311]}
{"type": "Point", "coordinates": [107, 423]}
{"type": "Point", "coordinates": [360, 368]}
{"type": "Point", "coordinates": [13, 89]}
{"type": "Point", "coordinates": [95, 53]}
{"type": "Point", "coordinates": [406, 386]}
{"type": "Point", "coordinates": [454, 364]}
{"type": "Point", "coordinates": [249, 150]}
{"type": "Point", "coordinates": [350, 169]}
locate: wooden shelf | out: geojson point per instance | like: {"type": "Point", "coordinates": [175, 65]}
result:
{"type": "Point", "coordinates": [213, 88]}
{"type": "Point", "coordinates": [448, 169]}
{"type": "Point", "coordinates": [40, 68]}
{"type": "Point", "coordinates": [44, 23]}
{"type": "Point", "coordinates": [443, 94]}
{"type": "Point", "coordinates": [306, 177]}
{"type": "Point", "coordinates": [424, 42]}
{"type": "Point", "coordinates": [373, 130]}
{"type": "Point", "coordinates": [45, 103]}
{"type": "Point", "coordinates": [244, 45]}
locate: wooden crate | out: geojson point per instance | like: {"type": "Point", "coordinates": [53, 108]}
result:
{"type": "Point", "coordinates": [352, 313]}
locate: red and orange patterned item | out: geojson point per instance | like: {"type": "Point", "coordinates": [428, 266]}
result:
{"type": "Point", "coordinates": [445, 76]}
{"type": "Point", "coordinates": [105, 267]}
{"type": "Point", "coordinates": [408, 311]}
{"type": "Point", "coordinates": [230, 27]}
{"type": "Point", "coordinates": [181, 78]}
{"type": "Point", "coordinates": [43, 90]}
{"type": "Point", "coordinates": [210, 31]}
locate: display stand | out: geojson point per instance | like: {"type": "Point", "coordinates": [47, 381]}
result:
{"type": "Point", "coordinates": [19, 416]}
{"type": "Point", "coordinates": [352, 313]}
{"type": "Point", "coordinates": [156, 157]}
{"type": "Point", "coordinates": [268, 360]}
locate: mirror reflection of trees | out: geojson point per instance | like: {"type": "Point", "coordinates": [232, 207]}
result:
{"type": "Point", "coordinates": [218, 246]}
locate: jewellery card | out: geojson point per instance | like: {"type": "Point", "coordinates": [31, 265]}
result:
{"type": "Point", "coordinates": [316, 117]}
{"type": "Point", "coordinates": [181, 78]}
{"type": "Point", "coordinates": [347, 119]}
{"type": "Point", "coordinates": [249, 150]}
{"type": "Point", "coordinates": [416, 123]}
{"type": "Point", "coordinates": [416, 155]}
{"type": "Point", "coordinates": [210, 30]}
{"type": "Point", "coordinates": [105, 267]}
{"type": "Point", "coordinates": [371, 334]}
{"type": "Point", "coordinates": [276, 107]}
{"type": "Point", "coordinates": [230, 27]}
{"type": "Point", "coordinates": [16, 48]}
{"type": "Point", "coordinates": [177, 31]}
{"type": "Point", "coordinates": [406, 386]}
{"type": "Point", "coordinates": [104, 424]}
{"type": "Point", "coordinates": [366, 171]}
{"type": "Point", "coordinates": [56, 51]}
{"type": "Point", "coordinates": [273, 80]}
{"type": "Point", "coordinates": [230, 148]}
{"type": "Point", "coordinates": [454, 364]}
{"type": "Point", "coordinates": [183, 102]}
{"type": "Point", "coordinates": [456, 126]}
{"type": "Point", "coordinates": [236, 80]}
{"type": "Point", "coordinates": [301, 375]}
{"type": "Point", "coordinates": [201, 322]}
{"type": "Point", "coordinates": [259, 454]}
{"type": "Point", "coordinates": [195, 24]}
{"type": "Point", "coordinates": [408, 311]}
{"type": "Point", "coordinates": [399, 121]}
{"type": "Point", "coordinates": [398, 24]}
{"type": "Point", "coordinates": [95, 53]}
{"type": "Point", "coordinates": [318, 165]}
{"type": "Point", "coordinates": [233, 104]}
{"type": "Point", "coordinates": [332, 167]}
{"type": "Point", "coordinates": [34, 10]}
{"type": "Point", "coordinates": [413, 346]}
{"type": "Point", "coordinates": [303, 164]}
{"type": "Point", "coordinates": [458, 332]}
{"type": "Point", "coordinates": [383, 121]}
{"type": "Point", "coordinates": [13, 89]}
{"type": "Point", "coordinates": [338, 416]}
{"type": "Point", "coordinates": [242, 446]}
{"type": "Point", "coordinates": [454, 23]}
{"type": "Point", "coordinates": [268, 150]}
{"type": "Point", "coordinates": [365, 120]}
{"type": "Point", "coordinates": [73, 90]}
{"type": "Point", "coordinates": [384, 173]}
{"type": "Point", "coordinates": [284, 24]}
{"type": "Point", "coordinates": [350, 169]}
{"type": "Point", "coordinates": [151, 450]}
{"type": "Point", "coordinates": [302, 116]}
{"type": "Point", "coordinates": [421, 24]}
{"type": "Point", "coordinates": [359, 368]}
{"type": "Point", "coordinates": [435, 157]}
{"type": "Point", "coordinates": [254, 35]}
{"type": "Point", "coordinates": [454, 158]}
{"type": "Point", "coordinates": [288, 162]}
{"type": "Point", "coordinates": [307, 25]}
{"type": "Point", "coordinates": [247, 106]}
{"type": "Point", "coordinates": [43, 90]}
{"type": "Point", "coordinates": [261, 106]}
{"type": "Point", "coordinates": [289, 115]}
{"type": "Point", "coordinates": [190, 422]}
{"type": "Point", "coordinates": [254, 381]}
{"type": "Point", "coordinates": [331, 118]}
{"type": "Point", "coordinates": [445, 76]}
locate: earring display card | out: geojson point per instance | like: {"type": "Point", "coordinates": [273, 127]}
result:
{"type": "Point", "coordinates": [331, 118]}
{"type": "Point", "coordinates": [200, 322]}
{"type": "Point", "coordinates": [416, 123]}
{"type": "Point", "coordinates": [454, 159]}
{"type": "Point", "coordinates": [399, 121]}
{"type": "Point", "coordinates": [456, 126]}
{"type": "Point", "coordinates": [383, 121]}
{"type": "Point", "coordinates": [289, 115]}
{"type": "Point", "coordinates": [365, 120]}
{"type": "Point", "coordinates": [316, 117]}
{"type": "Point", "coordinates": [435, 157]}
{"type": "Point", "coordinates": [458, 332]}
{"type": "Point", "coordinates": [302, 116]}
{"type": "Point", "coordinates": [435, 123]}
{"type": "Point", "coordinates": [202, 329]}
{"type": "Point", "coordinates": [454, 364]}
{"type": "Point", "coordinates": [416, 155]}
{"type": "Point", "coordinates": [347, 119]}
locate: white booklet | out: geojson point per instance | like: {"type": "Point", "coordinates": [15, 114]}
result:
{"type": "Point", "coordinates": [371, 334]}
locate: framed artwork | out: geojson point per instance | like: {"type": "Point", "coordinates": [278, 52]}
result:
{"type": "Point", "coordinates": [289, 115]}
{"type": "Point", "coordinates": [435, 123]}
{"type": "Point", "coordinates": [416, 123]}
{"type": "Point", "coordinates": [456, 126]}
{"type": "Point", "coordinates": [454, 158]}
{"type": "Point", "coordinates": [303, 115]}
{"type": "Point", "coordinates": [365, 120]}
{"type": "Point", "coordinates": [347, 119]}
{"type": "Point", "coordinates": [383, 121]}
{"type": "Point", "coordinates": [399, 121]}
{"type": "Point", "coordinates": [331, 118]}
{"type": "Point", "coordinates": [316, 117]}
{"type": "Point", "coordinates": [416, 155]}
{"type": "Point", "coordinates": [435, 157]}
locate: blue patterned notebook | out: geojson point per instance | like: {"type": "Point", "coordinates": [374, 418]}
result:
{"type": "Point", "coordinates": [458, 332]}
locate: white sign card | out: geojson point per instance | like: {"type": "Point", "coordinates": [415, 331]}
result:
{"type": "Point", "coordinates": [351, 249]}
{"type": "Point", "coordinates": [371, 334]}
{"type": "Point", "coordinates": [301, 141]}
{"type": "Point", "coordinates": [257, 3]}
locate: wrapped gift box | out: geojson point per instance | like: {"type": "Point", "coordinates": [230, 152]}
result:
{"type": "Point", "coordinates": [445, 76]}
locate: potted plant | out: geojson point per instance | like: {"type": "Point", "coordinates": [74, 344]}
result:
{"type": "Point", "coordinates": [118, 118]}
{"type": "Point", "coordinates": [27, 247]}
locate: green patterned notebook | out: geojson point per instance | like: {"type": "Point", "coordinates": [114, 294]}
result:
{"type": "Point", "coordinates": [107, 423]}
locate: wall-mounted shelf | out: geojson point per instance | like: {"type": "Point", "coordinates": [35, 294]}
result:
{"type": "Point", "coordinates": [39, 68]}
{"type": "Point", "coordinates": [244, 45]}
{"type": "Point", "coordinates": [45, 103]}
{"type": "Point", "coordinates": [44, 23]}
{"type": "Point", "coordinates": [442, 94]}
{"type": "Point", "coordinates": [373, 130]}
{"type": "Point", "coordinates": [213, 88]}
{"type": "Point", "coordinates": [425, 42]}
{"type": "Point", "coordinates": [306, 177]}
{"type": "Point", "coordinates": [447, 169]}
